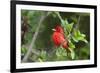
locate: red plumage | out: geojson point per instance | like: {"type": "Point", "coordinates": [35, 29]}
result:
{"type": "Point", "coordinates": [59, 38]}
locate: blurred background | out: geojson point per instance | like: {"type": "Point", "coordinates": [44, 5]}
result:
{"type": "Point", "coordinates": [43, 48]}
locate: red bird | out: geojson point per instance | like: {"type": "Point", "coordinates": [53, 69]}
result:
{"type": "Point", "coordinates": [59, 38]}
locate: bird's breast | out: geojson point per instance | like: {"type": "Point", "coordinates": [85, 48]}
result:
{"type": "Point", "coordinates": [58, 38]}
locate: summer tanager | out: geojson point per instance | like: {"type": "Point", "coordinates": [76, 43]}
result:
{"type": "Point", "coordinates": [59, 38]}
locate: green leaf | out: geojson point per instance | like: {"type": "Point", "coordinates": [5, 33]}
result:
{"type": "Point", "coordinates": [43, 55]}
{"type": "Point", "coordinates": [23, 50]}
{"type": "Point", "coordinates": [57, 52]}
{"type": "Point", "coordinates": [84, 40]}
{"type": "Point", "coordinates": [78, 36]}
{"type": "Point", "coordinates": [71, 45]}
{"type": "Point", "coordinates": [69, 27]}
{"type": "Point", "coordinates": [61, 51]}
{"type": "Point", "coordinates": [74, 18]}
{"type": "Point", "coordinates": [72, 53]}
{"type": "Point", "coordinates": [63, 23]}
{"type": "Point", "coordinates": [40, 60]}
{"type": "Point", "coordinates": [75, 39]}
{"type": "Point", "coordinates": [66, 21]}
{"type": "Point", "coordinates": [83, 35]}
{"type": "Point", "coordinates": [61, 54]}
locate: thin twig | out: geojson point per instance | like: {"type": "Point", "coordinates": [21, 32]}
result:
{"type": "Point", "coordinates": [78, 22]}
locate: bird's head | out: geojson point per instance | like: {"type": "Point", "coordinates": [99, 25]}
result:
{"type": "Point", "coordinates": [58, 28]}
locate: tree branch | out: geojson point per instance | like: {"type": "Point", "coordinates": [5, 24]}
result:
{"type": "Point", "coordinates": [59, 17]}
{"type": "Point", "coordinates": [34, 37]}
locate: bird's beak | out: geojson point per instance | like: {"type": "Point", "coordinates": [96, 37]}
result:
{"type": "Point", "coordinates": [53, 29]}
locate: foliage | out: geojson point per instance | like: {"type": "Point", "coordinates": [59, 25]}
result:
{"type": "Point", "coordinates": [44, 45]}
{"type": "Point", "coordinates": [75, 35]}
